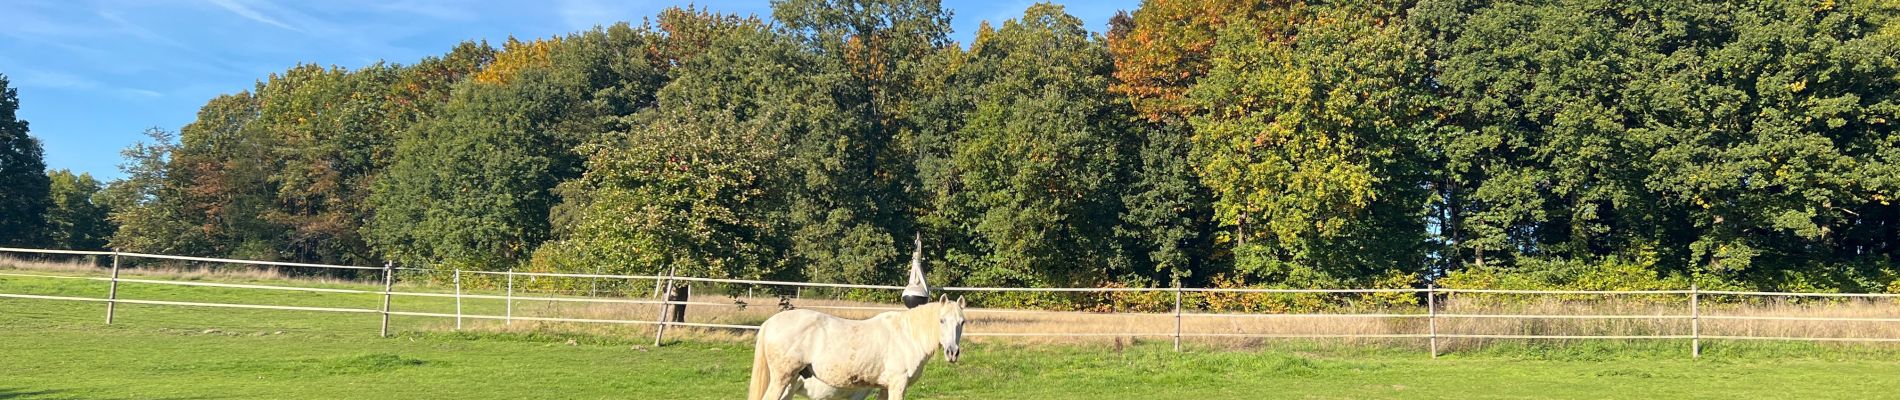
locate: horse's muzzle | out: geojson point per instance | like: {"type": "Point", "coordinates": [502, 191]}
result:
{"type": "Point", "coordinates": [952, 353]}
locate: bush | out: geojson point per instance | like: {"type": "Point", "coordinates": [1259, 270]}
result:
{"type": "Point", "coordinates": [1280, 303]}
{"type": "Point", "coordinates": [1610, 273]}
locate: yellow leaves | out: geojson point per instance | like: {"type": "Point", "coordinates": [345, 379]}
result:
{"type": "Point", "coordinates": [517, 56]}
{"type": "Point", "coordinates": [1798, 86]}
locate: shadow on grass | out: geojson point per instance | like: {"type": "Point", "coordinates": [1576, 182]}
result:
{"type": "Point", "coordinates": [24, 393]}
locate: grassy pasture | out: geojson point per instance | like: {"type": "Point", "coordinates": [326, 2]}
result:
{"type": "Point", "coordinates": [61, 350]}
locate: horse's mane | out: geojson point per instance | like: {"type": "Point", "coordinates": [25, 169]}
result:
{"type": "Point", "coordinates": [922, 322]}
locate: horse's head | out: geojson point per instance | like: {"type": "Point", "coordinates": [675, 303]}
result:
{"type": "Point", "coordinates": [950, 318]}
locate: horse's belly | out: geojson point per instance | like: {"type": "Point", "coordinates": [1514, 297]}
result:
{"type": "Point", "coordinates": [848, 375]}
{"type": "Point", "coordinates": [819, 390]}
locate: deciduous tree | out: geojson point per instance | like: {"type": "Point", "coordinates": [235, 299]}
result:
{"type": "Point", "coordinates": [23, 182]}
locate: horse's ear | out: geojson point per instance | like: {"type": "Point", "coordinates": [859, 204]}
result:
{"type": "Point", "coordinates": [945, 298]}
{"type": "Point", "coordinates": [960, 302]}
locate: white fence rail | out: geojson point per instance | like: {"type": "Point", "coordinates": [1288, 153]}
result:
{"type": "Point", "coordinates": [1432, 314]}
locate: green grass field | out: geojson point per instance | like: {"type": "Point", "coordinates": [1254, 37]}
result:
{"type": "Point", "coordinates": [62, 350]}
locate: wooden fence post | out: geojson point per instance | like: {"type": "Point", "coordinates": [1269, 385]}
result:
{"type": "Point", "coordinates": [659, 332]}
{"type": "Point", "coordinates": [458, 299]}
{"type": "Point", "coordinates": [1431, 315]}
{"type": "Point", "coordinates": [1695, 322]}
{"type": "Point", "coordinates": [1177, 315]}
{"type": "Point", "coordinates": [112, 294]}
{"type": "Point", "coordinates": [389, 281]}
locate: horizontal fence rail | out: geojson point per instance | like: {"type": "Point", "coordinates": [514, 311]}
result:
{"type": "Point", "coordinates": [1430, 329]}
{"type": "Point", "coordinates": [190, 303]}
{"type": "Point", "coordinates": [181, 258]}
{"type": "Point", "coordinates": [1794, 294]}
{"type": "Point", "coordinates": [1518, 291]}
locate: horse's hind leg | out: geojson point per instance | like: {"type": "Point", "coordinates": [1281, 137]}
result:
{"type": "Point", "coordinates": [783, 385]}
{"type": "Point", "coordinates": [792, 390]}
{"type": "Point", "coordinates": [776, 390]}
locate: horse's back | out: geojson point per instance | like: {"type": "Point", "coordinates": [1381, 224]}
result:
{"type": "Point", "coordinates": [793, 323]}
{"type": "Point", "coordinates": [796, 330]}
{"type": "Point", "coordinates": [793, 318]}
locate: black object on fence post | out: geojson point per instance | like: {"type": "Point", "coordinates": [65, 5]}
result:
{"type": "Point", "coordinates": [389, 282]}
{"type": "Point", "coordinates": [1695, 322]}
{"type": "Point", "coordinates": [112, 294]}
{"type": "Point", "coordinates": [679, 296]}
{"type": "Point", "coordinates": [1431, 315]}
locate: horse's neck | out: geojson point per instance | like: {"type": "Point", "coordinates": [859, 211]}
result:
{"type": "Point", "coordinates": [921, 327]}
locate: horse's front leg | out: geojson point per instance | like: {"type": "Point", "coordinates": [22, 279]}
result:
{"type": "Point", "coordinates": [895, 391]}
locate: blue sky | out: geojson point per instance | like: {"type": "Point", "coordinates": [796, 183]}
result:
{"type": "Point", "coordinates": [93, 74]}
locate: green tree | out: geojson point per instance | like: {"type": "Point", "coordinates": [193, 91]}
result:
{"type": "Point", "coordinates": [23, 182]}
{"type": "Point", "coordinates": [330, 132]}
{"type": "Point", "coordinates": [472, 186]}
{"type": "Point", "coordinates": [1169, 217]}
{"type": "Point", "coordinates": [1307, 143]}
{"type": "Point", "coordinates": [1738, 141]}
{"type": "Point", "coordinates": [857, 198]}
{"type": "Point", "coordinates": [75, 221]}
{"type": "Point", "coordinates": [282, 171]}
{"type": "Point", "coordinates": [221, 172]}
{"type": "Point", "coordinates": [1169, 214]}
{"type": "Point", "coordinates": [144, 204]}
{"type": "Point", "coordinates": [1781, 167]}
{"type": "Point", "coordinates": [702, 183]}
{"type": "Point", "coordinates": [1035, 169]}
{"type": "Point", "coordinates": [1164, 47]}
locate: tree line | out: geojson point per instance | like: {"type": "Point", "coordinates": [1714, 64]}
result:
{"type": "Point", "coordinates": [1358, 143]}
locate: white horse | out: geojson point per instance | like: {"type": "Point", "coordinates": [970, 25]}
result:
{"type": "Point", "coordinates": [827, 357]}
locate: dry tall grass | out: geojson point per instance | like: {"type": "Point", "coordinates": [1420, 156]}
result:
{"type": "Point", "coordinates": [1461, 314]}
{"type": "Point", "coordinates": [1457, 314]}
{"type": "Point", "coordinates": [60, 264]}
{"type": "Point", "coordinates": [167, 269]}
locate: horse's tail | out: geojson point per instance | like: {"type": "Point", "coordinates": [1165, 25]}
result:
{"type": "Point", "coordinates": [761, 373]}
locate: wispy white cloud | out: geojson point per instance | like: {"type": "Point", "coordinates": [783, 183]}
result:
{"type": "Point", "coordinates": [432, 9]}
{"type": "Point", "coordinates": [247, 12]}
{"type": "Point", "coordinates": [198, 58]}
{"type": "Point", "coordinates": [56, 80]}
{"type": "Point", "coordinates": [30, 77]}
{"type": "Point", "coordinates": [138, 93]}
{"type": "Point", "coordinates": [138, 31]}
{"type": "Point", "coordinates": [39, 21]}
